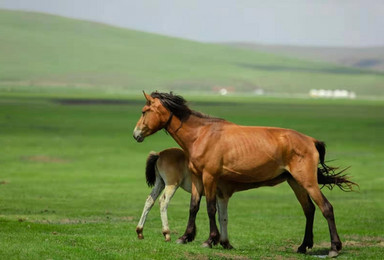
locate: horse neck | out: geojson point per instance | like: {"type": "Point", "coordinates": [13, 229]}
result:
{"type": "Point", "coordinates": [185, 133]}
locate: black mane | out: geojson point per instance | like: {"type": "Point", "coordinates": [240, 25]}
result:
{"type": "Point", "coordinates": [178, 106]}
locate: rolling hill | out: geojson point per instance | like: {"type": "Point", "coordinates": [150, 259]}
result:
{"type": "Point", "coordinates": [362, 58]}
{"type": "Point", "coordinates": [40, 52]}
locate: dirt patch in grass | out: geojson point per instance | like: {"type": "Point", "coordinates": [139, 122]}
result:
{"type": "Point", "coordinates": [70, 221]}
{"type": "Point", "coordinates": [363, 241]}
{"type": "Point", "coordinates": [194, 256]}
{"type": "Point", "coordinates": [76, 221]}
{"type": "Point", "coordinates": [350, 241]}
{"type": "Point", "coordinates": [66, 221]}
{"type": "Point", "coordinates": [230, 256]}
{"type": "Point", "coordinates": [279, 257]}
{"type": "Point", "coordinates": [190, 255]}
{"type": "Point", "coordinates": [80, 101]}
{"type": "Point", "coordinates": [44, 159]}
{"type": "Point", "coordinates": [127, 218]}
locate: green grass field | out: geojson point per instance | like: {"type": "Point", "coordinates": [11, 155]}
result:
{"type": "Point", "coordinates": [72, 182]}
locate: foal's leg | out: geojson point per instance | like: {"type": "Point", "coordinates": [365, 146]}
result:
{"type": "Point", "coordinates": [222, 207]}
{"type": "Point", "coordinates": [309, 211]}
{"type": "Point", "coordinates": [196, 193]}
{"type": "Point", "coordinates": [210, 193]}
{"type": "Point", "coordinates": [167, 195]}
{"type": "Point", "coordinates": [159, 186]}
{"type": "Point", "coordinates": [306, 175]}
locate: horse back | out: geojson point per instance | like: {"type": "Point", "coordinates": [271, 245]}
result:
{"type": "Point", "coordinates": [173, 168]}
{"type": "Point", "coordinates": [252, 154]}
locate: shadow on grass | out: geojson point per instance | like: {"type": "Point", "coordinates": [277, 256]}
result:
{"type": "Point", "coordinates": [320, 252]}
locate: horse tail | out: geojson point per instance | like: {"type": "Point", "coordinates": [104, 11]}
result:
{"type": "Point", "coordinates": [150, 169]}
{"type": "Point", "coordinates": [329, 176]}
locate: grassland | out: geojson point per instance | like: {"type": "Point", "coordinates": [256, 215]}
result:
{"type": "Point", "coordinates": [46, 53]}
{"type": "Point", "coordinates": [72, 182]}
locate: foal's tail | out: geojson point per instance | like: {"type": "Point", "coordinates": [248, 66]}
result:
{"type": "Point", "coordinates": [327, 175]}
{"type": "Point", "coordinates": [150, 169]}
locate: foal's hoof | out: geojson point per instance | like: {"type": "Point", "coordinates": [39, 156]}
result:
{"type": "Point", "coordinates": [139, 232]}
{"type": "Point", "coordinates": [167, 235]}
{"type": "Point", "coordinates": [181, 241]}
{"type": "Point", "coordinates": [206, 245]}
{"type": "Point", "coordinates": [333, 254]}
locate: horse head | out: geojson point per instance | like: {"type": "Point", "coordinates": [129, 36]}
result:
{"type": "Point", "coordinates": [153, 118]}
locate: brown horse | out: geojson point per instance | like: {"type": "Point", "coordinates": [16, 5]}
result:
{"type": "Point", "coordinates": [218, 150]}
{"type": "Point", "coordinates": [167, 171]}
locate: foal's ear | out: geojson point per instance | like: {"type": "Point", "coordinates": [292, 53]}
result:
{"type": "Point", "coordinates": [148, 98]}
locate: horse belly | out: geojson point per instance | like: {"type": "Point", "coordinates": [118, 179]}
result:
{"type": "Point", "coordinates": [252, 166]}
{"type": "Point", "coordinates": [252, 174]}
{"type": "Point", "coordinates": [252, 155]}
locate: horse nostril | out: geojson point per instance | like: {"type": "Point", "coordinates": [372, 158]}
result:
{"type": "Point", "coordinates": [138, 137]}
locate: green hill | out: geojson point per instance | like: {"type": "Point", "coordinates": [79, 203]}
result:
{"type": "Point", "coordinates": [45, 52]}
{"type": "Point", "coordinates": [359, 57]}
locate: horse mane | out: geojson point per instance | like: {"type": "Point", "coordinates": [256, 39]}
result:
{"type": "Point", "coordinates": [178, 106]}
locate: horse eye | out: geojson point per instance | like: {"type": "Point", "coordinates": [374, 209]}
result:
{"type": "Point", "coordinates": [143, 112]}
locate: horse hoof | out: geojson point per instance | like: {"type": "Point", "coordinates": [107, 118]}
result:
{"type": "Point", "coordinates": [180, 241]}
{"type": "Point", "coordinates": [139, 232]}
{"type": "Point", "coordinates": [226, 245]}
{"type": "Point", "coordinates": [140, 236]}
{"type": "Point", "coordinates": [167, 238]}
{"type": "Point", "coordinates": [206, 245]}
{"type": "Point", "coordinates": [333, 254]}
{"type": "Point", "coordinates": [302, 250]}
{"type": "Point", "coordinates": [339, 246]}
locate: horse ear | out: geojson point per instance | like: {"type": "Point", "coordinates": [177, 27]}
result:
{"type": "Point", "coordinates": [148, 98]}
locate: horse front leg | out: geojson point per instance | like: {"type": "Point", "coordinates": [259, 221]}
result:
{"type": "Point", "coordinates": [222, 207]}
{"type": "Point", "coordinates": [210, 186]}
{"type": "Point", "coordinates": [196, 193]}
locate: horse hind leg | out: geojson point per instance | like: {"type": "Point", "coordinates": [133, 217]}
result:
{"type": "Point", "coordinates": [309, 211]}
{"type": "Point", "coordinates": [167, 195]}
{"type": "Point", "coordinates": [306, 175]}
{"type": "Point", "coordinates": [327, 210]}
{"type": "Point", "coordinates": [159, 186]}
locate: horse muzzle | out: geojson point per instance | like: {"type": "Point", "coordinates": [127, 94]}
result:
{"type": "Point", "coordinates": [137, 134]}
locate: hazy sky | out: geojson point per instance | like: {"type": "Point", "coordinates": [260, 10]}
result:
{"type": "Point", "coordinates": [294, 22]}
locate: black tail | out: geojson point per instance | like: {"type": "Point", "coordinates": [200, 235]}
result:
{"type": "Point", "coordinates": [150, 172]}
{"type": "Point", "coordinates": [327, 175]}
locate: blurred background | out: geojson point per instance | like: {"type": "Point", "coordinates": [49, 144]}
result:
{"type": "Point", "coordinates": [253, 47]}
{"type": "Point", "coordinates": [72, 180]}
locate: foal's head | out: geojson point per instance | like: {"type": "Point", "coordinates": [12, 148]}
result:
{"type": "Point", "coordinates": [158, 112]}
